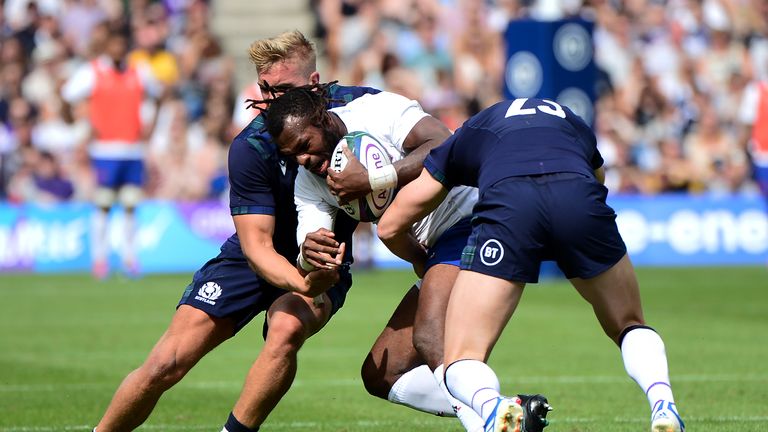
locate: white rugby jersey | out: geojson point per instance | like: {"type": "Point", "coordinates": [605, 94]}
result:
{"type": "Point", "coordinates": [389, 118]}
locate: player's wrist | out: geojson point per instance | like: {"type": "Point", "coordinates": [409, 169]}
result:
{"type": "Point", "coordinates": [383, 178]}
{"type": "Point", "coordinates": [304, 264]}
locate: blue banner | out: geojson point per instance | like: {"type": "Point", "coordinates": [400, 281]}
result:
{"type": "Point", "coordinates": [552, 60]}
{"type": "Point", "coordinates": [170, 237]}
{"type": "Point", "coordinates": [666, 230]}
{"type": "Point", "coordinates": [683, 230]}
{"type": "Point", "coordinates": [679, 230]}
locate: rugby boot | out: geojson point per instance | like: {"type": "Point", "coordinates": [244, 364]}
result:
{"type": "Point", "coordinates": [524, 413]}
{"type": "Point", "coordinates": [664, 418]}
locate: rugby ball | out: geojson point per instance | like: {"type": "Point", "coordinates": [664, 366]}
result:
{"type": "Point", "coordinates": [372, 154]}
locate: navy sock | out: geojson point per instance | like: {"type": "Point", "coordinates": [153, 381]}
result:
{"type": "Point", "coordinates": [233, 425]}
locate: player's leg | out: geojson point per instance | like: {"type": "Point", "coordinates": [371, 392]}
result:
{"type": "Point", "coordinates": [429, 331]}
{"type": "Point", "coordinates": [394, 370]}
{"type": "Point", "coordinates": [381, 367]}
{"type": "Point", "coordinates": [104, 196]}
{"type": "Point", "coordinates": [130, 196]}
{"type": "Point", "coordinates": [472, 328]}
{"type": "Point", "coordinates": [502, 254]}
{"type": "Point", "coordinates": [292, 319]}
{"type": "Point", "coordinates": [615, 298]}
{"type": "Point", "coordinates": [191, 334]}
{"type": "Point", "coordinates": [593, 256]}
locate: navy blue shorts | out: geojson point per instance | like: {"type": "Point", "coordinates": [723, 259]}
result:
{"type": "Point", "coordinates": [521, 221]}
{"type": "Point", "coordinates": [227, 288]}
{"type": "Point", "coordinates": [449, 246]}
{"type": "Point", "coordinates": [114, 174]}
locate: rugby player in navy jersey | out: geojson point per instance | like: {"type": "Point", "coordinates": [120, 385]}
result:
{"type": "Point", "coordinates": [255, 271]}
{"type": "Point", "coordinates": [540, 176]}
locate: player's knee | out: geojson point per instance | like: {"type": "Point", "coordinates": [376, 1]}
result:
{"type": "Point", "coordinates": [375, 378]}
{"type": "Point", "coordinates": [164, 371]}
{"type": "Point", "coordinates": [286, 333]}
{"type": "Point", "coordinates": [428, 345]}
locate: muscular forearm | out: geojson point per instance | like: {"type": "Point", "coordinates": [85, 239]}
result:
{"type": "Point", "coordinates": [405, 246]}
{"type": "Point", "coordinates": [410, 166]}
{"type": "Point", "coordinates": [275, 269]}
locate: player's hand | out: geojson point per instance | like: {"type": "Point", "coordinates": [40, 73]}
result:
{"type": "Point", "coordinates": [350, 184]}
{"type": "Point", "coordinates": [321, 249]}
{"type": "Point", "coordinates": [319, 281]}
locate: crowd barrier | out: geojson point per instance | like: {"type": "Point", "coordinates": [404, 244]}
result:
{"type": "Point", "coordinates": [666, 230]}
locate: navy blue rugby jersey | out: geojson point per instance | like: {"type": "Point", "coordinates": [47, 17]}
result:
{"type": "Point", "coordinates": [515, 138]}
{"type": "Point", "coordinates": [261, 182]}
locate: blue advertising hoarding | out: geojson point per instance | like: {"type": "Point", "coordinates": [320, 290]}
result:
{"type": "Point", "coordinates": [665, 230]}
{"type": "Point", "coordinates": [552, 60]}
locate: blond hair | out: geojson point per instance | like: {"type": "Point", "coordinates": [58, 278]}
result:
{"type": "Point", "coordinates": [290, 45]}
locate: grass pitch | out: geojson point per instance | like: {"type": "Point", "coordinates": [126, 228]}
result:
{"type": "Point", "coordinates": [67, 342]}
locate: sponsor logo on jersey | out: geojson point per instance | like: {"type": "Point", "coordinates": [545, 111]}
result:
{"type": "Point", "coordinates": [491, 253]}
{"type": "Point", "coordinates": [208, 293]}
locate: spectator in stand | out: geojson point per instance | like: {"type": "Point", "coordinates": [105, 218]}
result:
{"type": "Point", "coordinates": [45, 182]}
{"type": "Point", "coordinates": [150, 33]}
{"type": "Point", "coordinates": [115, 93]}
{"type": "Point", "coordinates": [718, 163]}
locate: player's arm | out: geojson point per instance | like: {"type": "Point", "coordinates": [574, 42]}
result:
{"type": "Point", "coordinates": [355, 181]}
{"type": "Point", "coordinates": [255, 232]}
{"type": "Point", "coordinates": [427, 134]}
{"type": "Point", "coordinates": [316, 217]}
{"type": "Point", "coordinates": [414, 201]}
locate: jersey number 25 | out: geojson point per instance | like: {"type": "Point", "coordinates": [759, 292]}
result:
{"type": "Point", "coordinates": [552, 108]}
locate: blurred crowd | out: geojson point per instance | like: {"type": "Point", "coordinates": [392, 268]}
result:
{"type": "Point", "coordinates": [673, 76]}
{"type": "Point", "coordinates": [43, 139]}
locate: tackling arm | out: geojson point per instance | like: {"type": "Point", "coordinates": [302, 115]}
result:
{"type": "Point", "coordinates": [255, 233]}
{"type": "Point", "coordinates": [414, 201]}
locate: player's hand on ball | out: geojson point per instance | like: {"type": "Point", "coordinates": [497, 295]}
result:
{"type": "Point", "coordinates": [321, 250]}
{"type": "Point", "coordinates": [352, 182]}
{"type": "Point", "coordinates": [319, 281]}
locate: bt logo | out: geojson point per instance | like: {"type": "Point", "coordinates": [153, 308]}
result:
{"type": "Point", "coordinates": [491, 253]}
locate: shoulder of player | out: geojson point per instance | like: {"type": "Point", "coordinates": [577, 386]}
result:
{"type": "Point", "coordinates": [254, 140]}
{"type": "Point", "coordinates": [345, 94]}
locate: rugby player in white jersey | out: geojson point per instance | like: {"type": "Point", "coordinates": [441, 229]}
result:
{"type": "Point", "coordinates": [306, 131]}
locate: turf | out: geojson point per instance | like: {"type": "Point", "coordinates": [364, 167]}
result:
{"type": "Point", "coordinates": [67, 341]}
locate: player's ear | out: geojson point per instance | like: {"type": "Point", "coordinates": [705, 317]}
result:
{"type": "Point", "coordinates": [314, 78]}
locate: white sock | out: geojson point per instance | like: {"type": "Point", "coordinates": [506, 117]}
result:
{"type": "Point", "coordinates": [99, 237]}
{"type": "Point", "coordinates": [129, 228]}
{"type": "Point", "coordinates": [475, 384]}
{"type": "Point", "coordinates": [418, 389]}
{"type": "Point", "coordinates": [645, 360]}
{"type": "Point", "coordinates": [468, 417]}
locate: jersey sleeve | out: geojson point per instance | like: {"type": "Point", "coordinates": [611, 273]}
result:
{"type": "Point", "coordinates": [250, 178]}
{"type": "Point", "coordinates": [80, 84]}
{"type": "Point", "coordinates": [588, 136]}
{"type": "Point", "coordinates": [438, 161]}
{"type": "Point", "coordinates": [749, 103]}
{"type": "Point", "coordinates": [313, 211]}
{"type": "Point", "coordinates": [398, 114]}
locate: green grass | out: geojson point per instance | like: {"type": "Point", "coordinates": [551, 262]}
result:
{"type": "Point", "coordinates": [68, 341]}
